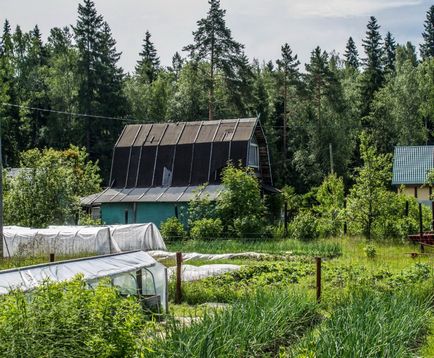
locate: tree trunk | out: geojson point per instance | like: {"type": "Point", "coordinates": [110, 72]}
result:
{"type": "Point", "coordinates": [285, 119]}
{"type": "Point", "coordinates": [211, 87]}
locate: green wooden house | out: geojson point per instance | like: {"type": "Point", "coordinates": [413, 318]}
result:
{"type": "Point", "coordinates": [158, 168]}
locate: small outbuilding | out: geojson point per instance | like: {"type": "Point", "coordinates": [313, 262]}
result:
{"type": "Point", "coordinates": [134, 273]}
{"type": "Point", "coordinates": [157, 169]}
{"type": "Point", "coordinates": [411, 165]}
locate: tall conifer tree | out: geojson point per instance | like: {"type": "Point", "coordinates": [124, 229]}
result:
{"type": "Point", "coordinates": [288, 70]}
{"type": "Point", "coordinates": [213, 42]}
{"type": "Point", "coordinates": [373, 76]}
{"type": "Point", "coordinates": [87, 37]}
{"type": "Point", "coordinates": [177, 63]}
{"type": "Point", "coordinates": [389, 56]}
{"type": "Point", "coordinates": [427, 47]}
{"type": "Point", "coordinates": [351, 55]}
{"type": "Point", "coordinates": [148, 64]}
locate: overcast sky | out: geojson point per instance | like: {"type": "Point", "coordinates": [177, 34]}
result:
{"type": "Point", "coordinates": [261, 25]}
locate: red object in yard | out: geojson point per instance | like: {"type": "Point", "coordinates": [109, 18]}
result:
{"type": "Point", "coordinates": [427, 238]}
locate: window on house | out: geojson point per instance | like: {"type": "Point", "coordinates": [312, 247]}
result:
{"type": "Point", "coordinates": [167, 177]}
{"type": "Point", "coordinates": [253, 160]}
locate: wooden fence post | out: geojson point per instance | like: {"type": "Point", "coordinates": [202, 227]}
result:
{"type": "Point", "coordinates": [422, 249]}
{"type": "Point", "coordinates": [285, 218]}
{"type": "Point", "coordinates": [318, 279]}
{"type": "Point", "coordinates": [345, 221]}
{"type": "Point", "coordinates": [52, 257]}
{"type": "Point", "coordinates": [139, 283]}
{"type": "Point", "coordinates": [178, 292]}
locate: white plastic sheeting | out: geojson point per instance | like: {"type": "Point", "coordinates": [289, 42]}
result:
{"type": "Point", "coordinates": [73, 240]}
{"type": "Point", "coordinates": [121, 268]}
{"type": "Point", "coordinates": [186, 256]}
{"type": "Point", "coordinates": [194, 273]}
{"type": "Point", "coordinates": [62, 240]}
{"type": "Point", "coordinates": [136, 237]}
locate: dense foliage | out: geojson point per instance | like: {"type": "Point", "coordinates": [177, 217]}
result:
{"type": "Point", "coordinates": [69, 320]}
{"type": "Point", "coordinates": [307, 115]}
{"type": "Point", "coordinates": [47, 189]}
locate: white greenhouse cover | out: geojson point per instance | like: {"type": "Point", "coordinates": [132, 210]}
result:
{"type": "Point", "coordinates": [136, 237]}
{"type": "Point", "coordinates": [72, 240]}
{"type": "Point", "coordinates": [194, 273]}
{"type": "Point", "coordinates": [117, 266]}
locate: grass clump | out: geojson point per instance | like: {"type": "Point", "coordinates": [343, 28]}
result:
{"type": "Point", "coordinates": [370, 324]}
{"type": "Point", "coordinates": [253, 327]}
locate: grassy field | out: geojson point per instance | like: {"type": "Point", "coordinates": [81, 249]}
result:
{"type": "Point", "coordinates": [377, 306]}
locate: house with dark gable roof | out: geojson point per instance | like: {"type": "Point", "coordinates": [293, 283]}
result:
{"type": "Point", "coordinates": [158, 168]}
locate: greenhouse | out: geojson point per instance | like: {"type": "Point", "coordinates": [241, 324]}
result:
{"type": "Point", "coordinates": [74, 240]}
{"type": "Point", "coordinates": [134, 273]}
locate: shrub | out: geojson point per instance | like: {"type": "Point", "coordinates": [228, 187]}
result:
{"type": "Point", "coordinates": [172, 229]}
{"type": "Point", "coordinates": [370, 251]}
{"type": "Point", "coordinates": [240, 200]}
{"type": "Point", "coordinates": [68, 320]}
{"type": "Point", "coordinates": [248, 227]}
{"type": "Point", "coordinates": [205, 229]}
{"type": "Point", "coordinates": [201, 207]}
{"type": "Point", "coordinates": [304, 226]}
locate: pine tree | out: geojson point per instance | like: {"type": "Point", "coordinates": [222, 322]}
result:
{"type": "Point", "coordinates": [87, 33]}
{"type": "Point", "coordinates": [177, 63]}
{"type": "Point", "coordinates": [9, 116]}
{"type": "Point", "coordinates": [427, 48]}
{"type": "Point", "coordinates": [389, 56]}
{"type": "Point", "coordinates": [110, 98]}
{"type": "Point", "coordinates": [351, 55]}
{"type": "Point", "coordinates": [148, 65]}
{"type": "Point", "coordinates": [317, 78]}
{"type": "Point", "coordinates": [62, 83]}
{"type": "Point", "coordinates": [373, 76]}
{"type": "Point", "coordinates": [213, 42]}
{"type": "Point", "coordinates": [288, 69]}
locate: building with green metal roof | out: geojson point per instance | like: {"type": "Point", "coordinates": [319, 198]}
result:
{"type": "Point", "coordinates": [411, 164]}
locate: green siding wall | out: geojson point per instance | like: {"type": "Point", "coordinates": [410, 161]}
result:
{"type": "Point", "coordinates": [114, 213]}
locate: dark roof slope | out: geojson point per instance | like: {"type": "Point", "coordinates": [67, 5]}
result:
{"type": "Point", "coordinates": [184, 153]}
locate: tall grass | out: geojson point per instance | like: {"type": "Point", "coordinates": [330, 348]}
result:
{"type": "Point", "coordinates": [315, 248]}
{"type": "Point", "coordinates": [370, 324]}
{"type": "Point", "coordinates": [255, 326]}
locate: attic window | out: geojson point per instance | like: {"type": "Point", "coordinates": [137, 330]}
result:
{"type": "Point", "coordinates": [253, 160]}
{"type": "Point", "coordinates": [167, 177]}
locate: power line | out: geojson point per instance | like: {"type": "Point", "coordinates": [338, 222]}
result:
{"type": "Point", "coordinates": [130, 120]}
{"type": "Point", "coordinates": [68, 113]}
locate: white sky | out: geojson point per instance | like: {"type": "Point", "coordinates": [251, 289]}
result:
{"type": "Point", "coordinates": [262, 25]}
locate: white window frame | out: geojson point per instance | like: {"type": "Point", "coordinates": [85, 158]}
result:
{"type": "Point", "coordinates": [255, 163]}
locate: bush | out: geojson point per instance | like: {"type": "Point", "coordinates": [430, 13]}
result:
{"type": "Point", "coordinates": [248, 227]}
{"type": "Point", "coordinates": [205, 229]}
{"type": "Point", "coordinates": [370, 251]}
{"type": "Point", "coordinates": [68, 320]}
{"type": "Point", "coordinates": [304, 226]}
{"type": "Point", "coordinates": [172, 230]}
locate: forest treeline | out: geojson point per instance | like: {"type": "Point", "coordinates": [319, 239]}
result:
{"type": "Point", "coordinates": [313, 116]}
